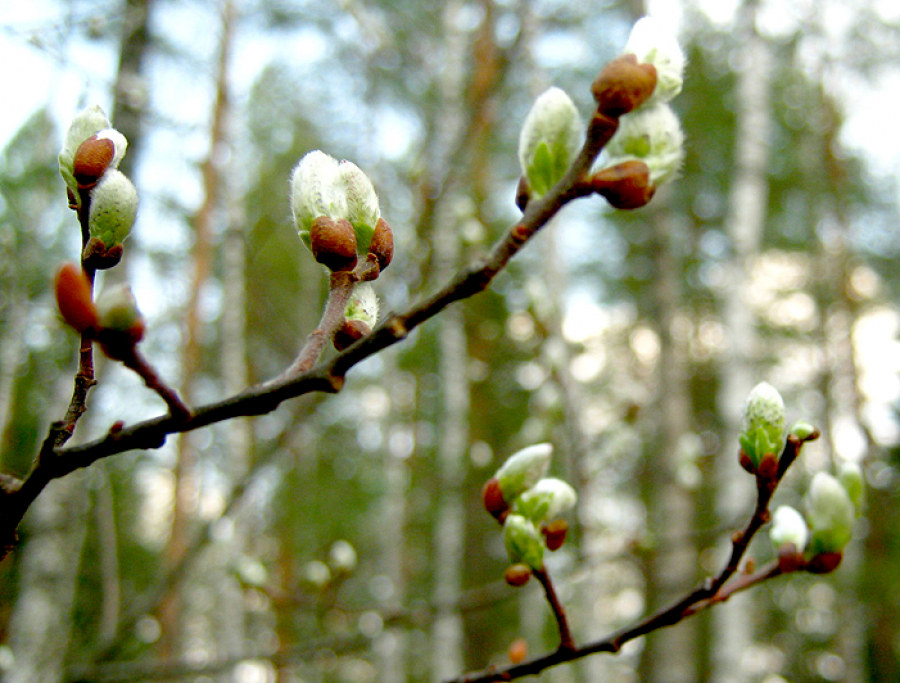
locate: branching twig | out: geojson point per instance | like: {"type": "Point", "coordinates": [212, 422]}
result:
{"type": "Point", "coordinates": [713, 590]}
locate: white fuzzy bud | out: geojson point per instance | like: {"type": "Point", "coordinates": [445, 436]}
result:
{"type": "Point", "coordinates": [788, 527]}
{"type": "Point", "coordinates": [546, 500]}
{"type": "Point", "coordinates": [652, 135]}
{"type": "Point", "coordinates": [114, 205]}
{"type": "Point", "coordinates": [653, 42]}
{"type": "Point", "coordinates": [120, 143]}
{"type": "Point", "coordinates": [549, 141]}
{"type": "Point", "coordinates": [524, 469]}
{"type": "Point", "coordinates": [360, 202]}
{"type": "Point", "coordinates": [831, 514]}
{"type": "Point", "coordinates": [363, 305]}
{"type": "Point", "coordinates": [313, 191]}
{"type": "Point", "coordinates": [523, 542]}
{"type": "Point", "coordinates": [763, 425]}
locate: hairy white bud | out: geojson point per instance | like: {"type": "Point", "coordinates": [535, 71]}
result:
{"type": "Point", "coordinates": [653, 42]}
{"type": "Point", "coordinates": [549, 141]}
{"type": "Point", "coordinates": [114, 205]}
{"type": "Point", "coordinates": [652, 135]}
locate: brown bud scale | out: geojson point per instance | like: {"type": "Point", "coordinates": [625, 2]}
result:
{"type": "Point", "coordinates": [351, 331]}
{"type": "Point", "coordinates": [623, 85]}
{"type": "Point", "coordinates": [517, 575]}
{"type": "Point", "coordinates": [91, 160]}
{"type": "Point", "coordinates": [625, 186]}
{"type": "Point", "coordinates": [555, 534]}
{"type": "Point", "coordinates": [493, 498]}
{"type": "Point", "coordinates": [73, 297]}
{"type": "Point", "coordinates": [333, 243]}
{"type": "Point", "coordinates": [382, 244]}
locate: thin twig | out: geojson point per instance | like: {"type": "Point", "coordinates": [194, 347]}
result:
{"type": "Point", "coordinates": [566, 642]}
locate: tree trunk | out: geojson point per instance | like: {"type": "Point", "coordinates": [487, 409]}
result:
{"type": "Point", "coordinates": [203, 254]}
{"type": "Point", "coordinates": [744, 226]}
{"type": "Point", "coordinates": [671, 654]}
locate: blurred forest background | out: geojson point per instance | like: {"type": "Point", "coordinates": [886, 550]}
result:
{"type": "Point", "coordinates": [342, 538]}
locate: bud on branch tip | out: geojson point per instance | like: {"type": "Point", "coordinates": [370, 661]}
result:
{"type": "Point", "coordinates": [549, 141]}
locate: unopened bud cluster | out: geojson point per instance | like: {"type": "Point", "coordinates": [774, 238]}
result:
{"type": "Point", "coordinates": [337, 214]}
{"type": "Point", "coordinates": [88, 162]}
{"type": "Point", "coordinates": [529, 505]}
{"type": "Point", "coordinates": [816, 542]}
{"type": "Point", "coordinates": [636, 88]}
{"type": "Point", "coordinates": [114, 320]}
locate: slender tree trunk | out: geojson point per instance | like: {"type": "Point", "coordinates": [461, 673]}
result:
{"type": "Point", "coordinates": [671, 654]}
{"type": "Point", "coordinates": [744, 226]}
{"type": "Point", "coordinates": [447, 631]}
{"type": "Point", "coordinates": [392, 645]}
{"type": "Point", "coordinates": [203, 254]}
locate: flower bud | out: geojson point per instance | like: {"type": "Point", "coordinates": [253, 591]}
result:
{"type": "Point", "coordinates": [763, 425]}
{"type": "Point", "coordinates": [523, 542]}
{"type": "Point", "coordinates": [333, 243]}
{"type": "Point", "coordinates": [831, 515]}
{"type": "Point", "coordinates": [547, 499]}
{"type": "Point", "coordinates": [804, 431]}
{"type": "Point", "coordinates": [788, 528]}
{"type": "Point", "coordinates": [363, 305]}
{"type": "Point", "coordinates": [652, 42]}
{"type": "Point", "coordinates": [623, 85]}
{"type": "Point", "coordinates": [361, 203]}
{"type": "Point", "coordinates": [73, 297]}
{"type": "Point", "coordinates": [114, 204]}
{"type": "Point", "coordinates": [313, 193]}
{"type": "Point", "coordinates": [652, 135]}
{"type": "Point", "coordinates": [117, 311]}
{"type": "Point", "coordinates": [517, 575]}
{"type": "Point", "coordinates": [523, 469]}
{"type": "Point", "coordinates": [86, 123]}
{"type": "Point", "coordinates": [549, 141]}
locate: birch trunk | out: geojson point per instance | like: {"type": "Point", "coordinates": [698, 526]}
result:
{"type": "Point", "coordinates": [671, 654]}
{"type": "Point", "coordinates": [744, 226]}
{"type": "Point", "coordinates": [448, 544]}
{"type": "Point", "coordinates": [203, 254]}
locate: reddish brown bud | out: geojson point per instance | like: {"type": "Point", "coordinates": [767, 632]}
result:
{"type": "Point", "coordinates": [91, 160]}
{"type": "Point", "coordinates": [382, 244]}
{"type": "Point", "coordinates": [624, 186]}
{"type": "Point", "coordinates": [623, 85]}
{"type": "Point", "coordinates": [348, 333]}
{"type": "Point", "coordinates": [517, 575]}
{"type": "Point", "coordinates": [333, 243]}
{"type": "Point", "coordinates": [523, 194]}
{"type": "Point", "coordinates": [73, 297]}
{"type": "Point", "coordinates": [518, 651]}
{"type": "Point", "coordinates": [824, 563]}
{"type": "Point", "coordinates": [493, 499]}
{"type": "Point", "coordinates": [555, 533]}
